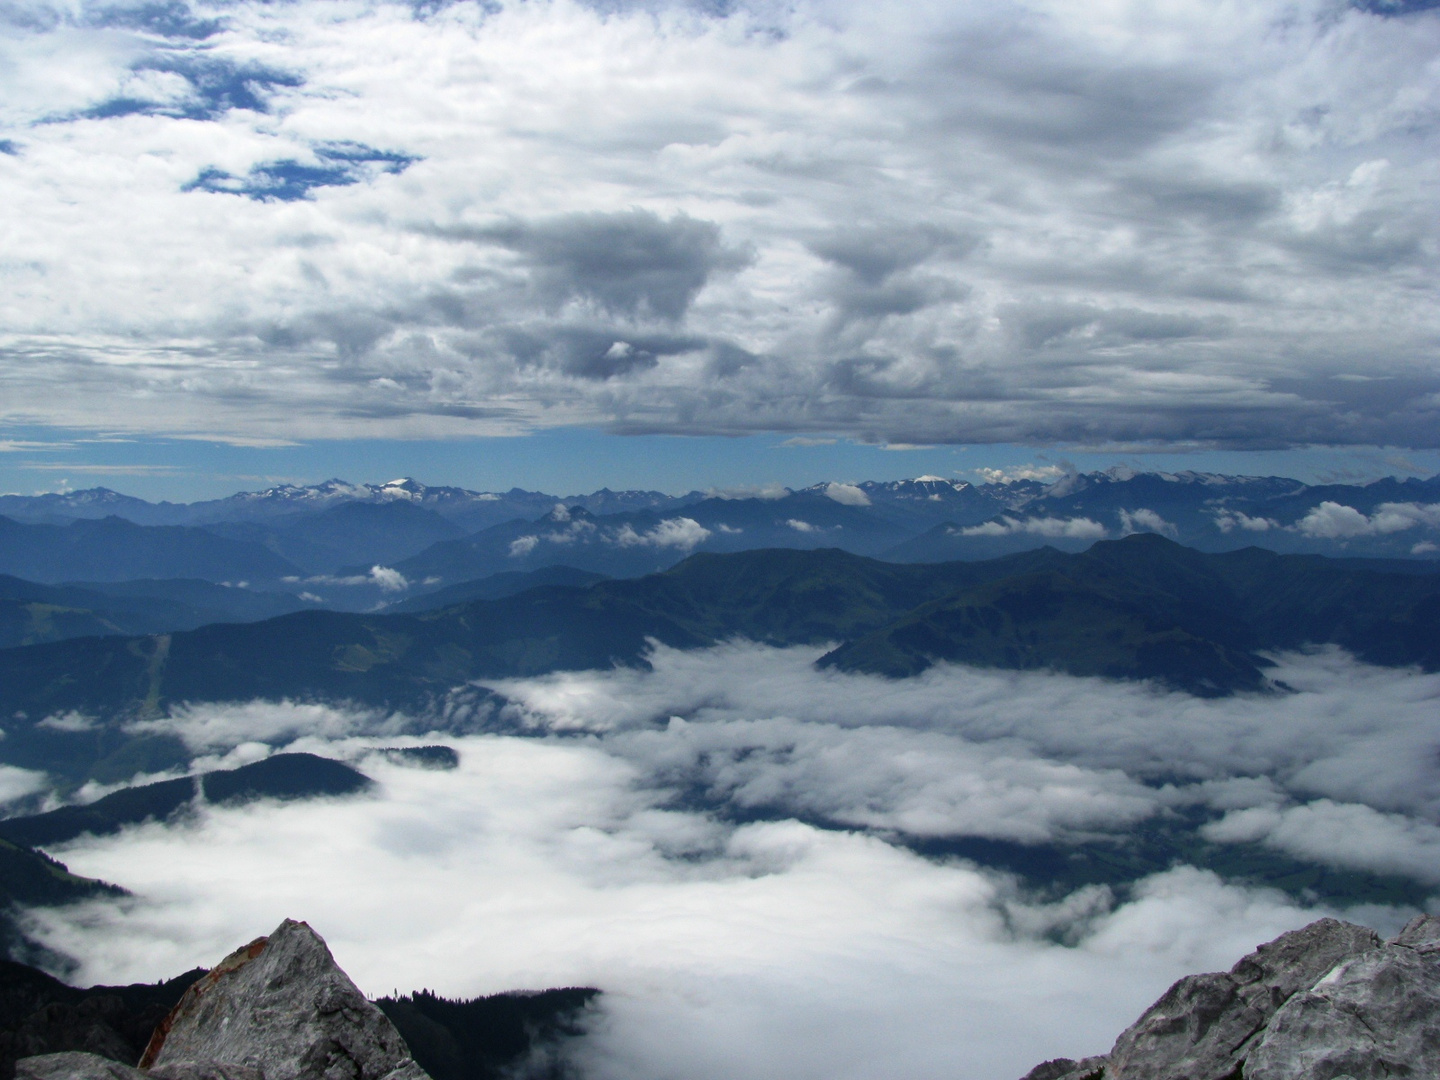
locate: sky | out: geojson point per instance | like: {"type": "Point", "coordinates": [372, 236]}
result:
{"type": "Point", "coordinates": [724, 844]}
{"type": "Point", "coordinates": [674, 244]}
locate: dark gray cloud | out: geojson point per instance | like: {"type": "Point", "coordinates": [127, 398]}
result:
{"type": "Point", "coordinates": [593, 352]}
{"type": "Point", "coordinates": [632, 263]}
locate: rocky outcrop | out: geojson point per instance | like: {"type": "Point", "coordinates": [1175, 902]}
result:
{"type": "Point", "coordinates": [1327, 1002]}
{"type": "Point", "coordinates": [279, 1008]}
{"type": "Point", "coordinates": [72, 1065]}
{"type": "Point", "coordinates": [282, 1005]}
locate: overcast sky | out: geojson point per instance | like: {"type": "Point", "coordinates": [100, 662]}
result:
{"type": "Point", "coordinates": [1111, 224]}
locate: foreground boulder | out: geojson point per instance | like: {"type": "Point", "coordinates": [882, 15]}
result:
{"type": "Point", "coordinates": [282, 1006]}
{"type": "Point", "coordinates": [1326, 1002]}
{"type": "Point", "coordinates": [279, 1008]}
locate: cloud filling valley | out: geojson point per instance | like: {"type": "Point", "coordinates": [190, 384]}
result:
{"type": "Point", "coordinates": [730, 844]}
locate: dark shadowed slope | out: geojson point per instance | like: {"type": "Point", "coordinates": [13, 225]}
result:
{"type": "Point", "coordinates": [284, 776]}
{"type": "Point", "coordinates": [31, 612]}
{"type": "Point", "coordinates": [41, 1015]}
{"type": "Point", "coordinates": [113, 549]}
{"type": "Point", "coordinates": [495, 587]}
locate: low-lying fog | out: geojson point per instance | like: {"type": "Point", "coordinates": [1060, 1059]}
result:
{"type": "Point", "coordinates": [720, 844]}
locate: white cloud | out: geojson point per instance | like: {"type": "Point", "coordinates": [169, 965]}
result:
{"type": "Point", "coordinates": [1069, 528]}
{"type": "Point", "coordinates": [801, 526]}
{"type": "Point", "coordinates": [1142, 520]}
{"type": "Point", "coordinates": [847, 494]}
{"type": "Point", "coordinates": [1349, 732]}
{"type": "Point", "coordinates": [1347, 835]}
{"type": "Point", "coordinates": [716, 841]}
{"type": "Point", "coordinates": [69, 722]}
{"type": "Point", "coordinates": [385, 577]}
{"type": "Point", "coordinates": [212, 728]}
{"type": "Point", "coordinates": [1229, 520]}
{"type": "Point", "coordinates": [682, 532]}
{"type": "Point", "coordinates": [1046, 474]}
{"type": "Point", "coordinates": [523, 545]}
{"type": "Point", "coordinates": [388, 579]}
{"type": "Point", "coordinates": [761, 491]}
{"type": "Point", "coordinates": [17, 783]}
{"type": "Point", "coordinates": [1332, 521]}
{"type": "Point", "coordinates": [725, 223]}
{"type": "Point", "coordinates": [734, 951]}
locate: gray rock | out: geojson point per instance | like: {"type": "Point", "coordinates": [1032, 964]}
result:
{"type": "Point", "coordinates": [1205, 1025]}
{"type": "Point", "coordinates": [1421, 933]}
{"type": "Point", "coordinates": [204, 1070]}
{"type": "Point", "coordinates": [282, 1006]}
{"type": "Point", "coordinates": [74, 1065]}
{"type": "Point", "coordinates": [1376, 1015]}
{"type": "Point", "coordinates": [1091, 1068]}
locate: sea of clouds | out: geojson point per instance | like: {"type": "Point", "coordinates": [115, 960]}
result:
{"type": "Point", "coordinates": [724, 844]}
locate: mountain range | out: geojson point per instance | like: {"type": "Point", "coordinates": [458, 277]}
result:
{"type": "Point", "coordinates": [1142, 607]}
{"type": "Point", "coordinates": [408, 547]}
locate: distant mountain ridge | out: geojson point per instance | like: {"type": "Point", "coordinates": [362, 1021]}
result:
{"type": "Point", "coordinates": [370, 547]}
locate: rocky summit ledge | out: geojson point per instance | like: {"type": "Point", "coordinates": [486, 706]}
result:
{"type": "Point", "coordinates": [1328, 1002]}
{"type": "Point", "coordinates": [279, 1008]}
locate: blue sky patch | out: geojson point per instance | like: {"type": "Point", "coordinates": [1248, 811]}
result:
{"type": "Point", "coordinates": [339, 164]}
{"type": "Point", "coordinates": [1396, 7]}
{"type": "Point", "coordinates": [216, 86]}
{"type": "Point", "coordinates": [9, 146]}
{"type": "Point", "coordinates": [170, 20]}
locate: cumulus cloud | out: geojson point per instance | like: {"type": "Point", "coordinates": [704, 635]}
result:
{"type": "Point", "coordinates": [1142, 520]}
{"type": "Point", "coordinates": [69, 722]}
{"type": "Point", "coordinates": [847, 494]}
{"type": "Point", "coordinates": [682, 532]}
{"type": "Point", "coordinates": [1046, 474]}
{"type": "Point", "coordinates": [1333, 521]}
{"type": "Point", "coordinates": [17, 784]}
{"type": "Point", "coordinates": [1348, 835]}
{"type": "Point", "coordinates": [1230, 520]}
{"type": "Point", "coordinates": [1069, 528]}
{"type": "Point", "coordinates": [386, 578]}
{"type": "Point", "coordinates": [416, 222]}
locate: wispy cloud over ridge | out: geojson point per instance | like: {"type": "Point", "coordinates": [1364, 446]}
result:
{"type": "Point", "coordinates": [910, 225]}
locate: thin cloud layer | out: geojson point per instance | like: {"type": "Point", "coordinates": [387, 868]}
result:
{"type": "Point", "coordinates": [912, 224]}
{"type": "Point", "coordinates": [1019, 756]}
